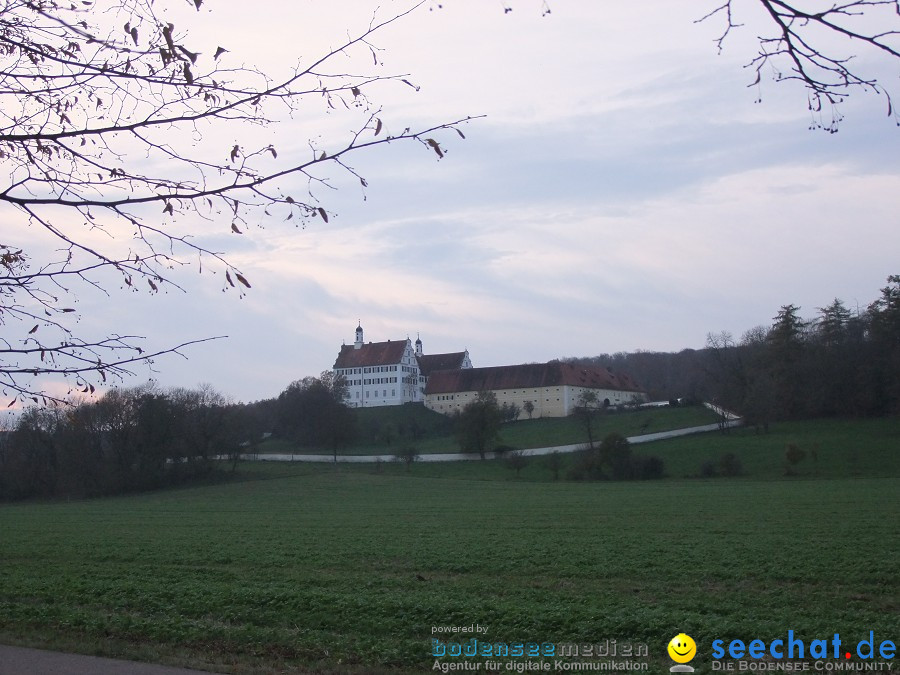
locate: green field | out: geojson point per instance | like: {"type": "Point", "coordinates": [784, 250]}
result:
{"type": "Point", "coordinates": [312, 568]}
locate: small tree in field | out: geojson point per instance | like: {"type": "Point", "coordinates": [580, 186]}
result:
{"type": "Point", "coordinates": [509, 412]}
{"type": "Point", "coordinates": [478, 425]}
{"type": "Point", "coordinates": [516, 460]}
{"type": "Point", "coordinates": [588, 410]}
{"type": "Point", "coordinates": [554, 462]}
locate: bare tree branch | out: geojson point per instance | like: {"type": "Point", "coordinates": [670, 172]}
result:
{"type": "Point", "coordinates": [106, 111]}
{"type": "Point", "coordinates": [801, 47]}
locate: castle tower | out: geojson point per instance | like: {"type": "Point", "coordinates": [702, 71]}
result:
{"type": "Point", "coordinates": [418, 346]}
{"type": "Point", "coordinates": [359, 337]}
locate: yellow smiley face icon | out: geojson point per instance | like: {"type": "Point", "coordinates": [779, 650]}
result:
{"type": "Point", "coordinates": [682, 648]}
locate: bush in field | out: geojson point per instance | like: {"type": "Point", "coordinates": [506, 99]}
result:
{"type": "Point", "coordinates": [586, 465]}
{"type": "Point", "coordinates": [709, 469]}
{"type": "Point", "coordinates": [615, 456]}
{"type": "Point", "coordinates": [793, 454]}
{"type": "Point", "coordinates": [554, 462]}
{"type": "Point", "coordinates": [408, 455]}
{"type": "Point", "coordinates": [613, 460]}
{"type": "Point", "coordinates": [647, 468]}
{"type": "Point", "coordinates": [730, 465]}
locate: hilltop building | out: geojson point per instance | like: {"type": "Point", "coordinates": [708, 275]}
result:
{"type": "Point", "coordinates": [392, 372]}
{"type": "Point", "coordinates": [553, 388]}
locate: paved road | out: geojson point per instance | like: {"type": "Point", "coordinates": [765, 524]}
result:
{"type": "Point", "coordinates": [24, 661]}
{"type": "Point", "coordinates": [460, 457]}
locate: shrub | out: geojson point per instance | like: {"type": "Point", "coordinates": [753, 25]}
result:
{"type": "Point", "coordinates": [794, 454]}
{"type": "Point", "coordinates": [613, 461]}
{"type": "Point", "coordinates": [730, 465]}
{"type": "Point", "coordinates": [709, 469]}
{"type": "Point", "coordinates": [585, 466]}
{"type": "Point", "coordinates": [407, 455]}
{"type": "Point", "coordinates": [647, 468]}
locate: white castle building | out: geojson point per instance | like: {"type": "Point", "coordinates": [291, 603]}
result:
{"type": "Point", "coordinates": [392, 372]}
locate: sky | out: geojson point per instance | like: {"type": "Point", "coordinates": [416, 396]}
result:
{"type": "Point", "coordinates": [624, 190]}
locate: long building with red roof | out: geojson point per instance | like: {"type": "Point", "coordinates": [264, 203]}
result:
{"type": "Point", "coordinates": [552, 388]}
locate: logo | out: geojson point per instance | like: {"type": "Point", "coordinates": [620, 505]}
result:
{"type": "Point", "coordinates": [682, 649]}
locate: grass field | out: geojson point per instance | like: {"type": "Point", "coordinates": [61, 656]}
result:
{"type": "Point", "coordinates": [436, 431]}
{"type": "Point", "coordinates": [311, 568]}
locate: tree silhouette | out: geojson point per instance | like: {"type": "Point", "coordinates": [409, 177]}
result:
{"type": "Point", "coordinates": [111, 132]}
{"type": "Point", "coordinates": [816, 44]}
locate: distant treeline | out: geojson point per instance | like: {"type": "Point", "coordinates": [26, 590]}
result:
{"type": "Point", "coordinates": [129, 440]}
{"type": "Point", "coordinates": [145, 438]}
{"type": "Point", "coordinates": [836, 363]}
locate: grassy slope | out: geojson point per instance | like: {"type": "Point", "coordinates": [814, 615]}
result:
{"type": "Point", "coordinates": [843, 448]}
{"type": "Point", "coordinates": [437, 430]}
{"type": "Point", "coordinates": [316, 566]}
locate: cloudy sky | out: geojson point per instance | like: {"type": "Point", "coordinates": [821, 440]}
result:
{"type": "Point", "coordinates": [624, 190]}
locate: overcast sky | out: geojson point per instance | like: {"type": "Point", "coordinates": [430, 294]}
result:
{"type": "Point", "coordinates": [625, 190]}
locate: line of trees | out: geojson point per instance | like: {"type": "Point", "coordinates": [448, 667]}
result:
{"type": "Point", "coordinates": [128, 440]}
{"type": "Point", "coordinates": [840, 362]}
{"type": "Point", "coordinates": [147, 437]}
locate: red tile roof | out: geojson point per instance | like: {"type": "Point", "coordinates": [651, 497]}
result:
{"type": "Point", "coordinates": [530, 375]}
{"type": "Point", "coordinates": [371, 354]}
{"type": "Point", "coordinates": [428, 363]}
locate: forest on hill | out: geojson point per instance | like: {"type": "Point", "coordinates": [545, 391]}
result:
{"type": "Point", "coordinates": [836, 363]}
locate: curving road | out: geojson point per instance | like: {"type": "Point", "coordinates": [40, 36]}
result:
{"type": "Point", "coordinates": [464, 457]}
